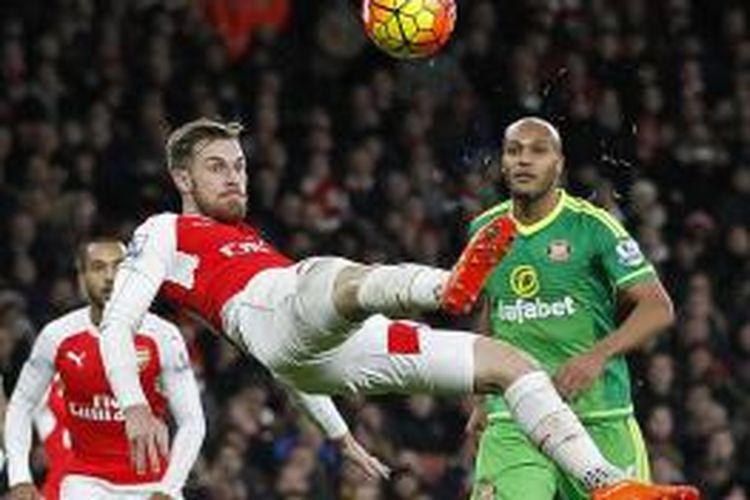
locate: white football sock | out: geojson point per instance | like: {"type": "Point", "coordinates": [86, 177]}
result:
{"type": "Point", "coordinates": [552, 425]}
{"type": "Point", "coordinates": [401, 289]}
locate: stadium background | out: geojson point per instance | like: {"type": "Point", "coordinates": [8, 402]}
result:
{"type": "Point", "coordinates": [355, 154]}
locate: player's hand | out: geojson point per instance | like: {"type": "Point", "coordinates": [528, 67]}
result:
{"type": "Point", "coordinates": [148, 437]}
{"type": "Point", "coordinates": [352, 450]}
{"type": "Point", "coordinates": [579, 373]}
{"type": "Point", "coordinates": [24, 491]}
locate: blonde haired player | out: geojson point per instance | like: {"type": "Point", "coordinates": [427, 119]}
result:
{"type": "Point", "coordinates": [315, 323]}
{"type": "Point", "coordinates": [100, 467]}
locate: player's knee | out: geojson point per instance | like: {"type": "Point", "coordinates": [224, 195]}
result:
{"type": "Point", "coordinates": [497, 365]}
{"type": "Point", "coordinates": [345, 289]}
{"type": "Point", "coordinates": [321, 294]}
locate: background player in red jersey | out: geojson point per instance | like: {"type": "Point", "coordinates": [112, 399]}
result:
{"type": "Point", "coordinates": [100, 467]}
{"type": "Point", "coordinates": [315, 324]}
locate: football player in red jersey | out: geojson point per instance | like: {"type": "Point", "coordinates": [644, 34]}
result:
{"type": "Point", "coordinates": [100, 466]}
{"type": "Point", "coordinates": [317, 324]}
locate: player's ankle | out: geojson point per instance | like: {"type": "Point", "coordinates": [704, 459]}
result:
{"type": "Point", "coordinates": [426, 288]}
{"type": "Point", "coordinates": [401, 289]}
{"type": "Point", "coordinates": [602, 476]}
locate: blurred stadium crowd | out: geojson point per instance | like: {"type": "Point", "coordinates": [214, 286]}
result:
{"type": "Point", "coordinates": [354, 154]}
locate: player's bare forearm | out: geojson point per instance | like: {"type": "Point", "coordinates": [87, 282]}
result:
{"type": "Point", "coordinates": [651, 313]}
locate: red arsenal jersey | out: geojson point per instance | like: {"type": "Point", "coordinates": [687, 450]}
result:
{"type": "Point", "coordinates": [96, 425]}
{"type": "Point", "coordinates": [203, 263]}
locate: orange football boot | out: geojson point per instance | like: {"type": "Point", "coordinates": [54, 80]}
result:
{"type": "Point", "coordinates": [483, 252]}
{"type": "Point", "coordinates": [633, 490]}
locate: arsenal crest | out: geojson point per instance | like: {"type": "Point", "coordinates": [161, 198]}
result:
{"type": "Point", "coordinates": [558, 251]}
{"type": "Point", "coordinates": [143, 356]}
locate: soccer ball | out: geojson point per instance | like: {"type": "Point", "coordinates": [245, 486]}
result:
{"type": "Point", "coordinates": [409, 28]}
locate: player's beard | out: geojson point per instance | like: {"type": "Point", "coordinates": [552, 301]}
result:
{"type": "Point", "coordinates": [223, 209]}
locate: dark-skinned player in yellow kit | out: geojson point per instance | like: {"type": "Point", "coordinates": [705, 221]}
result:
{"type": "Point", "coordinates": [556, 296]}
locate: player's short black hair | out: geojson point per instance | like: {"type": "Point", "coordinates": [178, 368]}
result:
{"type": "Point", "coordinates": [82, 248]}
{"type": "Point", "coordinates": [182, 141]}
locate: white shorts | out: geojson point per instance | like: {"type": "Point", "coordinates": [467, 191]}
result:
{"type": "Point", "coordinates": [285, 318]}
{"type": "Point", "coordinates": [77, 487]}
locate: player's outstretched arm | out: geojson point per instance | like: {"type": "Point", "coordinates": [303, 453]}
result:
{"type": "Point", "coordinates": [185, 404]}
{"type": "Point", "coordinates": [650, 313]}
{"type": "Point", "coordinates": [131, 298]}
{"type": "Point", "coordinates": [29, 392]}
{"type": "Point", "coordinates": [323, 412]}
{"type": "Point", "coordinates": [137, 283]}
{"type": "Point", "coordinates": [639, 293]}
